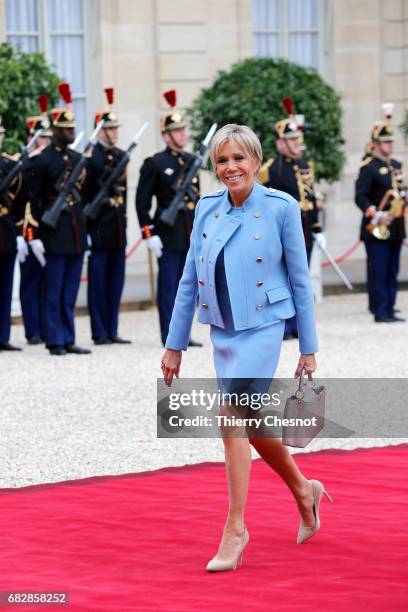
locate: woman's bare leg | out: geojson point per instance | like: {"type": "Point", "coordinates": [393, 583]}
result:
{"type": "Point", "coordinates": [238, 467]}
{"type": "Point", "coordinates": [278, 457]}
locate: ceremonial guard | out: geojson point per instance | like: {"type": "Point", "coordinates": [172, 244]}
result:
{"type": "Point", "coordinates": [32, 260]}
{"type": "Point", "coordinates": [381, 196]}
{"type": "Point", "coordinates": [8, 242]}
{"type": "Point", "coordinates": [160, 176]}
{"type": "Point", "coordinates": [290, 173]}
{"type": "Point", "coordinates": [64, 241]}
{"type": "Point", "coordinates": [107, 231]}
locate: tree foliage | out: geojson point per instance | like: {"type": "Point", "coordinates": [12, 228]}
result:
{"type": "Point", "coordinates": [24, 76]}
{"type": "Point", "coordinates": [250, 93]}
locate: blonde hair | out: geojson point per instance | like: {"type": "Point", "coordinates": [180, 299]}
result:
{"type": "Point", "coordinates": [242, 135]}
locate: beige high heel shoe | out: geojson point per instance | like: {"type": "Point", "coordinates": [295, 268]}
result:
{"type": "Point", "coordinates": [305, 532]}
{"type": "Point", "coordinates": [224, 565]}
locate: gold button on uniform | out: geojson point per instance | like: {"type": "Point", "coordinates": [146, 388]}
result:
{"type": "Point", "coordinates": [259, 283]}
{"type": "Point", "coordinates": [204, 305]}
{"type": "Point", "coordinates": [257, 214]}
{"type": "Point", "coordinates": [259, 259]}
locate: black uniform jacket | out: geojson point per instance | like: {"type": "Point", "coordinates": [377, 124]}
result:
{"type": "Point", "coordinates": [10, 206]}
{"type": "Point", "coordinates": [158, 175]}
{"type": "Point", "coordinates": [108, 231]}
{"type": "Point", "coordinates": [285, 173]}
{"type": "Point", "coordinates": [48, 170]}
{"type": "Point", "coordinates": [375, 178]}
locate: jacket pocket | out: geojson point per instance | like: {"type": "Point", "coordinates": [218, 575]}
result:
{"type": "Point", "coordinates": [279, 293]}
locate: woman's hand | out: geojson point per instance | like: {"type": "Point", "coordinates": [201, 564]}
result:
{"type": "Point", "coordinates": [306, 362]}
{"type": "Point", "coordinates": [170, 365]}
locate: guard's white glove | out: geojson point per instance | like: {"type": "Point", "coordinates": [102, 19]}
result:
{"type": "Point", "coordinates": [320, 239]}
{"type": "Point", "coordinates": [22, 249]}
{"type": "Point", "coordinates": [155, 244]}
{"type": "Point", "coordinates": [382, 218]}
{"type": "Point", "coordinates": [38, 250]}
{"type": "Point", "coordinates": [89, 246]}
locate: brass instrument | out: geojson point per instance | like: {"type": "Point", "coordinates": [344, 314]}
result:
{"type": "Point", "coordinates": [395, 201]}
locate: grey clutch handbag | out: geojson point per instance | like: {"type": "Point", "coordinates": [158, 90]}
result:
{"type": "Point", "coordinates": [305, 410]}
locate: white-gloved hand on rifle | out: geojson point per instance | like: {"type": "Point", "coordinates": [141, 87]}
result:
{"type": "Point", "coordinates": [320, 239]}
{"type": "Point", "coordinates": [22, 249]}
{"type": "Point", "coordinates": [38, 250]}
{"type": "Point", "coordinates": [155, 244]}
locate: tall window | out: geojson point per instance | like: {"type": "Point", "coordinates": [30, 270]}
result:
{"type": "Point", "coordinates": [288, 29]}
{"type": "Point", "coordinates": [55, 27]}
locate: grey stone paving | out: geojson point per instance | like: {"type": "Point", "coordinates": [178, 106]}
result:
{"type": "Point", "coordinates": [78, 416]}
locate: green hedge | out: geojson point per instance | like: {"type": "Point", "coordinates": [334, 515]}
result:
{"type": "Point", "coordinates": [250, 93]}
{"type": "Point", "coordinates": [23, 76]}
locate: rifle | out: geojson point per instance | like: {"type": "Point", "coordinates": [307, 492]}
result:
{"type": "Point", "coordinates": [76, 142]}
{"type": "Point", "coordinates": [66, 192]}
{"type": "Point", "coordinates": [8, 179]}
{"type": "Point", "coordinates": [92, 209]}
{"type": "Point", "coordinates": [336, 267]}
{"type": "Point", "coordinates": [169, 215]}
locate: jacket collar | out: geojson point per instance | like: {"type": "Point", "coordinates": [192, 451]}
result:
{"type": "Point", "coordinates": [248, 203]}
{"type": "Point", "coordinates": [173, 152]}
{"type": "Point", "coordinates": [382, 158]}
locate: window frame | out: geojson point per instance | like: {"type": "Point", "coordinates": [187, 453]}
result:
{"type": "Point", "coordinates": [284, 31]}
{"type": "Point", "coordinates": [44, 35]}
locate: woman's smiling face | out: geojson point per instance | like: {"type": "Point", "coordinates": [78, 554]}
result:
{"type": "Point", "coordinates": [237, 170]}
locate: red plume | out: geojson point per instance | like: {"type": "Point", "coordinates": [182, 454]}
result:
{"type": "Point", "coordinates": [171, 97]}
{"type": "Point", "coordinates": [109, 91]}
{"type": "Point", "coordinates": [288, 104]}
{"type": "Point", "coordinates": [65, 92]}
{"type": "Point", "coordinates": [43, 103]}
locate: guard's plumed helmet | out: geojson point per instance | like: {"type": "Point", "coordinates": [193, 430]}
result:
{"type": "Point", "coordinates": [63, 117]}
{"type": "Point", "coordinates": [107, 114]}
{"type": "Point", "coordinates": [383, 130]}
{"type": "Point", "coordinates": [172, 120]}
{"type": "Point", "coordinates": [292, 126]}
{"type": "Point", "coordinates": [39, 122]}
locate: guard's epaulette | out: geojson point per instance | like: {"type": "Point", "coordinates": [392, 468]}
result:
{"type": "Point", "coordinates": [365, 161]}
{"type": "Point", "coordinates": [214, 194]}
{"type": "Point", "coordinates": [151, 155]}
{"type": "Point", "coordinates": [263, 174]}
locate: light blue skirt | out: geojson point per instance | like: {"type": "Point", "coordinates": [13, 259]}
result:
{"type": "Point", "coordinates": [251, 354]}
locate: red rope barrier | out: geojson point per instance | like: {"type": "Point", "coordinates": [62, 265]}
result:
{"type": "Point", "coordinates": [349, 251]}
{"type": "Point", "coordinates": [128, 254]}
{"type": "Point", "coordinates": [341, 258]}
{"type": "Point", "coordinates": [325, 264]}
{"type": "Point", "coordinates": [133, 248]}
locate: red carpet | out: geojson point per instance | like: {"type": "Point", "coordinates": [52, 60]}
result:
{"type": "Point", "coordinates": [141, 541]}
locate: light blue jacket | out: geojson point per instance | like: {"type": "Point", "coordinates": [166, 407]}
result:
{"type": "Point", "coordinates": [265, 265]}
